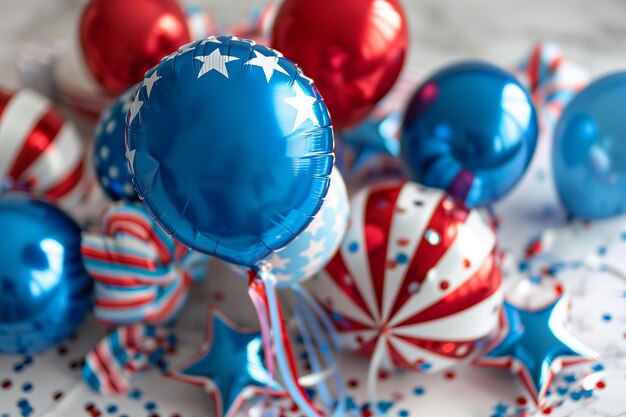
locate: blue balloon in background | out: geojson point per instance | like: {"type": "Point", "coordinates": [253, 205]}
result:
{"type": "Point", "coordinates": [589, 153]}
{"type": "Point", "coordinates": [231, 148]}
{"type": "Point", "coordinates": [470, 129]}
{"type": "Point", "coordinates": [109, 157]}
{"type": "Point", "coordinates": [44, 289]}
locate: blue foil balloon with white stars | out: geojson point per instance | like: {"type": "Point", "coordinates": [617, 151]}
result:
{"type": "Point", "coordinates": [470, 129]}
{"type": "Point", "coordinates": [109, 152]}
{"type": "Point", "coordinates": [230, 147]}
{"type": "Point", "coordinates": [589, 151]}
{"type": "Point", "coordinates": [44, 289]}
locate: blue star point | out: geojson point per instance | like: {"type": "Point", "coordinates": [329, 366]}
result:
{"type": "Point", "coordinates": [229, 365]}
{"type": "Point", "coordinates": [535, 345]}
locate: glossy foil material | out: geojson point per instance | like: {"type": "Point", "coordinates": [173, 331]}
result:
{"type": "Point", "coordinates": [589, 153]}
{"type": "Point", "coordinates": [353, 49]}
{"type": "Point", "coordinates": [470, 129]}
{"type": "Point", "coordinates": [418, 269]}
{"type": "Point", "coordinates": [122, 39]}
{"type": "Point", "coordinates": [44, 289]}
{"type": "Point", "coordinates": [230, 146]}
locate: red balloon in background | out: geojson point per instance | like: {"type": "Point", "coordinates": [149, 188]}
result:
{"type": "Point", "coordinates": [353, 49]}
{"type": "Point", "coordinates": [122, 39]}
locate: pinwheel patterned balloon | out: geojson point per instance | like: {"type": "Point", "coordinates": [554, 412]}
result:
{"type": "Point", "coordinates": [44, 289]}
{"type": "Point", "coordinates": [109, 158]}
{"type": "Point", "coordinates": [40, 151]}
{"type": "Point", "coordinates": [417, 280]}
{"type": "Point", "coordinates": [230, 146]}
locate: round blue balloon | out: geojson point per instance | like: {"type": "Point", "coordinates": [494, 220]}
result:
{"type": "Point", "coordinates": [44, 289]}
{"type": "Point", "coordinates": [589, 153]}
{"type": "Point", "coordinates": [470, 129]}
{"type": "Point", "coordinates": [231, 148]}
{"type": "Point", "coordinates": [109, 152]}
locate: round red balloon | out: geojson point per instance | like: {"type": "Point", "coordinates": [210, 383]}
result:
{"type": "Point", "coordinates": [353, 49]}
{"type": "Point", "coordinates": [122, 39]}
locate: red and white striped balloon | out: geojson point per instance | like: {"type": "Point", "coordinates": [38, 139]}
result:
{"type": "Point", "coordinates": [416, 282]}
{"type": "Point", "coordinates": [40, 151]}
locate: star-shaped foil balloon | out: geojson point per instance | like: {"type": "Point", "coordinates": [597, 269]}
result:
{"type": "Point", "coordinates": [230, 366]}
{"type": "Point", "coordinates": [535, 346]}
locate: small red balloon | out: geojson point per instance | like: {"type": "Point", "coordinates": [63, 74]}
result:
{"type": "Point", "coordinates": [122, 39]}
{"type": "Point", "coordinates": [353, 49]}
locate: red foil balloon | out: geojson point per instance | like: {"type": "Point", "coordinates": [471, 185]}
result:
{"type": "Point", "coordinates": [418, 272]}
{"type": "Point", "coordinates": [353, 49]}
{"type": "Point", "coordinates": [122, 39]}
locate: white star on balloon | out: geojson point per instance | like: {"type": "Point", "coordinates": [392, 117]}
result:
{"type": "Point", "coordinates": [215, 61]}
{"type": "Point", "coordinates": [130, 155]}
{"type": "Point", "coordinates": [277, 262]}
{"type": "Point", "coordinates": [149, 82]}
{"type": "Point", "coordinates": [316, 247]}
{"type": "Point", "coordinates": [304, 105]}
{"type": "Point", "coordinates": [269, 64]}
{"type": "Point", "coordinates": [134, 107]}
{"type": "Point", "coordinates": [316, 224]}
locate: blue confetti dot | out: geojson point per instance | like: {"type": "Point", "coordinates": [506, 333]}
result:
{"type": "Point", "coordinates": [28, 360]}
{"type": "Point", "coordinates": [403, 413]}
{"type": "Point", "coordinates": [150, 406]}
{"type": "Point", "coordinates": [402, 258]}
{"type": "Point", "coordinates": [587, 393]}
{"type": "Point", "coordinates": [418, 391]}
{"type": "Point", "coordinates": [354, 246]}
{"type": "Point", "coordinates": [598, 367]}
{"type": "Point", "coordinates": [535, 279]}
{"type": "Point", "coordinates": [18, 368]}
{"type": "Point", "coordinates": [569, 378]}
{"type": "Point", "coordinates": [27, 387]}
{"type": "Point", "coordinates": [111, 409]}
{"type": "Point", "coordinates": [425, 366]}
{"type": "Point", "coordinates": [602, 251]}
{"type": "Point", "coordinates": [135, 394]}
{"type": "Point", "coordinates": [607, 317]}
{"type": "Point", "coordinates": [22, 403]}
{"type": "Point", "coordinates": [575, 395]}
{"type": "Point", "coordinates": [336, 316]}
{"type": "Point", "coordinates": [523, 266]}
{"type": "Point", "coordinates": [562, 391]}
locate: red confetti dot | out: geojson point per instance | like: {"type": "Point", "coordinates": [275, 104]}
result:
{"type": "Point", "coordinates": [521, 401]}
{"type": "Point", "coordinates": [61, 350]}
{"type": "Point", "coordinates": [294, 407]}
{"type": "Point", "coordinates": [353, 383]}
{"type": "Point", "coordinates": [547, 410]}
{"type": "Point", "coordinates": [558, 288]}
{"type": "Point", "coordinates": [154, 415]}
{"type": "Point", "coordinates": [6, 384]}
{"type": "Point", "coordinates": [403, 242]}
{"type": "Point", "coordinates": [218, 296]}
{"type": "Point", "coordinates": [382, 375]}
{"type": "Point", "coordinates": [391, 264]}
{"type": "Point", "coordinates": [449, 375]}
{"type": "Point", "coordinates": [89, 406]}
{"type": "Point", "coordinates": [57, 396]}
{"type": "Point", "coordinates": [175, 415]}
{"type": "Point", "coordinates": [444, 285]}
{"type": "Point", "coordinates": [600, 384]}
{"type": "Point", "coordinates": [366, 413]}
{"type": "Point", "coordinates": [466, 263]}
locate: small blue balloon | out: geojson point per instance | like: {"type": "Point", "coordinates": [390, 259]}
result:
{"type": "Point", "coordinates": [470, 129]}
{"type": "Point", "coordinates": [44, 289]}
{"type": "Point", "coordinates": [589, 153]}
{"type": "Point", "coordinates": [231, 148]}
{"type": "Point", "coordinates": [109, 157]}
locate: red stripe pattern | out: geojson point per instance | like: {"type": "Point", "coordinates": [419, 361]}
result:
{"type": "Point", "coordinates": [43, 153]}
{"type": "Point", "coordinates": [418, 268]}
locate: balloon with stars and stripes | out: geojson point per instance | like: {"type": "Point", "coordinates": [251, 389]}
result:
{"type": "Point", "coordinates": [40, 151]}
{"type": "Point", "coordinates": [109, 151]}
{"type": "Point", "coordinates": [417, 282]}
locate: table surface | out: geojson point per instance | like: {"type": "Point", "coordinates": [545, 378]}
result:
{"type": "Point", "coordinates": [591, 33]}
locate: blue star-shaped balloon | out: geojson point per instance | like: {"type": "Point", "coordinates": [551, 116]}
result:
{"type": "Point", "coordinates": [535, 345]}
{"type": "Point", "coordinates": [230, 366]}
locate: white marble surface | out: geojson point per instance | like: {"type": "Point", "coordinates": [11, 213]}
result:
{"type": "Point", "coordinates": [591, 32]}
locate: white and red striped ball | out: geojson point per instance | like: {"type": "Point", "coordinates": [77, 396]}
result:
{"type": "Point", "coordinates": [40, 151]}
{"type": "Point", "coordinates": [417, 268]}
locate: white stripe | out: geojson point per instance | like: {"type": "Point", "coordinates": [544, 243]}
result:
{"type": "Point", "coordinates": [410, 223]}
{"type": "Point", "coordinates": [413, 354]}
{"type": "Point", "coordinates": [357, 262]}
{"type": "Point", "coordinates": [126, 315]}
{"type": "Point", "coordinates": [19, 117]}
{"type": "Point", "coordinates": [474, 323]}
{"type": "Point", "coordinates": [59, 160]}
{"type": "Point", "coordinates": [475, 242]}
{"type": "Point", "coordinates": [106, 292]}
{"type": "Point", "coordinates": [326, 289]}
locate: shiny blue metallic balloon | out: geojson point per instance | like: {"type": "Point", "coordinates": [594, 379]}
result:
{"type": "Point", "coordinates": [470, 129]}
{"type": "Point", "coordinates": [231, 148]}
{"type": "Point", "coordinates": [44, 289]}
{"type": "Point", "coordinates": [589, 154]}
{"type": "Point", "coordinates": [109, 153]}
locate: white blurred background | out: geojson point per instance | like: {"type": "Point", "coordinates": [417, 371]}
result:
{"type": "Point", "coordinates": [501, 31]}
